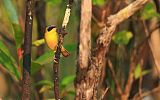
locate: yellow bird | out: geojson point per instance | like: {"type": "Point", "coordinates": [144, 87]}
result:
{"type": "Point", "coordinates": [51, 38]}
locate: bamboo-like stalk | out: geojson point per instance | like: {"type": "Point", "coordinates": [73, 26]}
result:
{"type": "Point", "coordinates": [27, 50]}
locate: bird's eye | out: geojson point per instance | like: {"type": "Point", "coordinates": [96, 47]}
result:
{"type": "Point", "coordinates": [50, 27]}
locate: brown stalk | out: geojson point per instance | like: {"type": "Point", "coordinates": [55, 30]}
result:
{"type": "Point", "coordinates": [27, 50]}
{"type": "Point", "coordinates": [61, 33]}
{"type": "Point", "coordinates": [119, 90]}
{"type": "Point", "coordinates": [153, 41]}
{"type": "Point", "coordinates": [144, 94]}
{"type": "Point", "coordinates": [106, 90]}
{"type": "Point", "coordinates": [84, 54]}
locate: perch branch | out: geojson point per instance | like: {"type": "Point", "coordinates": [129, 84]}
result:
{"type": "Point", "coordinates": [61, 33]}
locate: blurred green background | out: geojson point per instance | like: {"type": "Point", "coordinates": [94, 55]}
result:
{"type": "Point", "coordinates": [12, 21]}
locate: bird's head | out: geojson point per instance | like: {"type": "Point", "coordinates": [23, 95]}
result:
{"type": "Point", "coordinates": [49, 28]}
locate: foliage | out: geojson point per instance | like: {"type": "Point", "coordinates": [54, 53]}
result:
{"type": "Point", "coordinates": [99, 2]}
{"type": "Point", "coordinates": [13, 17]}
{"type": "Point", "coordinates": [122, 37]}
{"type": "Point", "coordinates": [54, 2]}
{"type": "Point", "coordinates": [138, 72]}
{"type": "Point", "coordinates": [47, 85]}
{"type": "Point", "coordinates": [8, 61]}
{"type": "Point", "coordinates": [149, 12]}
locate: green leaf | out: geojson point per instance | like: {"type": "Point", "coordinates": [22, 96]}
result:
{"type": "Point", "coordinates": [71, 93]}
{"type": "Point", "coordinates": [122, 37]}
{"type": "Point", "coordinates": [6, 51]}
{"type": "Point", "coordinates": [10, 9]}
{"type": "Point", "coordinates": [145, 72]}
{"type": "Point", "coordinates": [137, 72]}
{"type": "Point", "coordinates": [99, 2]}
{"type": "Point", "coordinates": [67, 80]}
{"type": "Point", "coordinates": [45, 58]}
{"type": "Point", "coordinates": [45, 82]}
{"type": "Point", "coordinates": [18, 35]}
{"type": "Point", "coordinates": [8, 61]}
{"type": "Point", "coordinates": [13, 17]}
{"type": "Point", "coordinates": [39, 62]}
{"type": "Point", "coordinates": [149, 11]}
{"type": "Point", "coordinates": [45, 88]}
{"type": "Point", "coordinates": [54, 2]}
{"type": "Point", "coordinates": [38, 42]}
{"type": "Point", "coordinates": [35, 67]}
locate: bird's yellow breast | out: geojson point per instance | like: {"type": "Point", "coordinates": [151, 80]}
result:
{"type": "Point", "coordinates": [51, 39]}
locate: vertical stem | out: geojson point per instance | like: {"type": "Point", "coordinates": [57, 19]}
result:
{"type": "Point", "coordinates": [56, 68]}
{"type": "Point", "coordinates": [56, 80]}
{"type": "Point", "coordinates": [85, 33]}
{"type": "Point", "coordinates": [157, 3]}
{"type": "Point", "coordinates": [83, 90]}
{"type": "Point", "coordinates": [27, 50]}
{"type": "Point", "coordinates": [61, 33]}
{"type": "Point", "coordinates": [40, 10]}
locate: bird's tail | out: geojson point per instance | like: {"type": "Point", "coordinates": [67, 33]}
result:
{"type": "Point", "coordinates": [64, 52]}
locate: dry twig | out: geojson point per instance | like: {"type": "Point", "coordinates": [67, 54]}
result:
{"type": "Point", "coordinates": [119, 90]}
{"type": "Point", "coordinates": [106, 90]}
{"type": "Point", "coordinates": [144, 94]}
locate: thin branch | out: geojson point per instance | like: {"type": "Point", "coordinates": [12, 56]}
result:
{"type": "Point", "coordinates": [118, 87]}
{"type": "Point", "coordinates": [157, 3]}
{"type": "Point", "coordinates": [67, 14]}
{"type": "Point", "coordinates": [141, 77]}
{"type": "Point", "coordinates": [61, 33]}
{"type": "Point", "coordinates": [27, 50]}
{"type": "Point", "coordinates": [114, 20]}
{"type": "Point", "coordinates": [144, 94]}
{"type": "Point", "coordinates": [152, 45]}
{"type": "Point", "coordinates": [106, 90]}
{"type": "Point", "coordinates": [134, 60]}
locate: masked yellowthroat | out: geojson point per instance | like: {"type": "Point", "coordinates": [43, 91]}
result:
{"type": "Point", "coordinates": [51, 38]}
